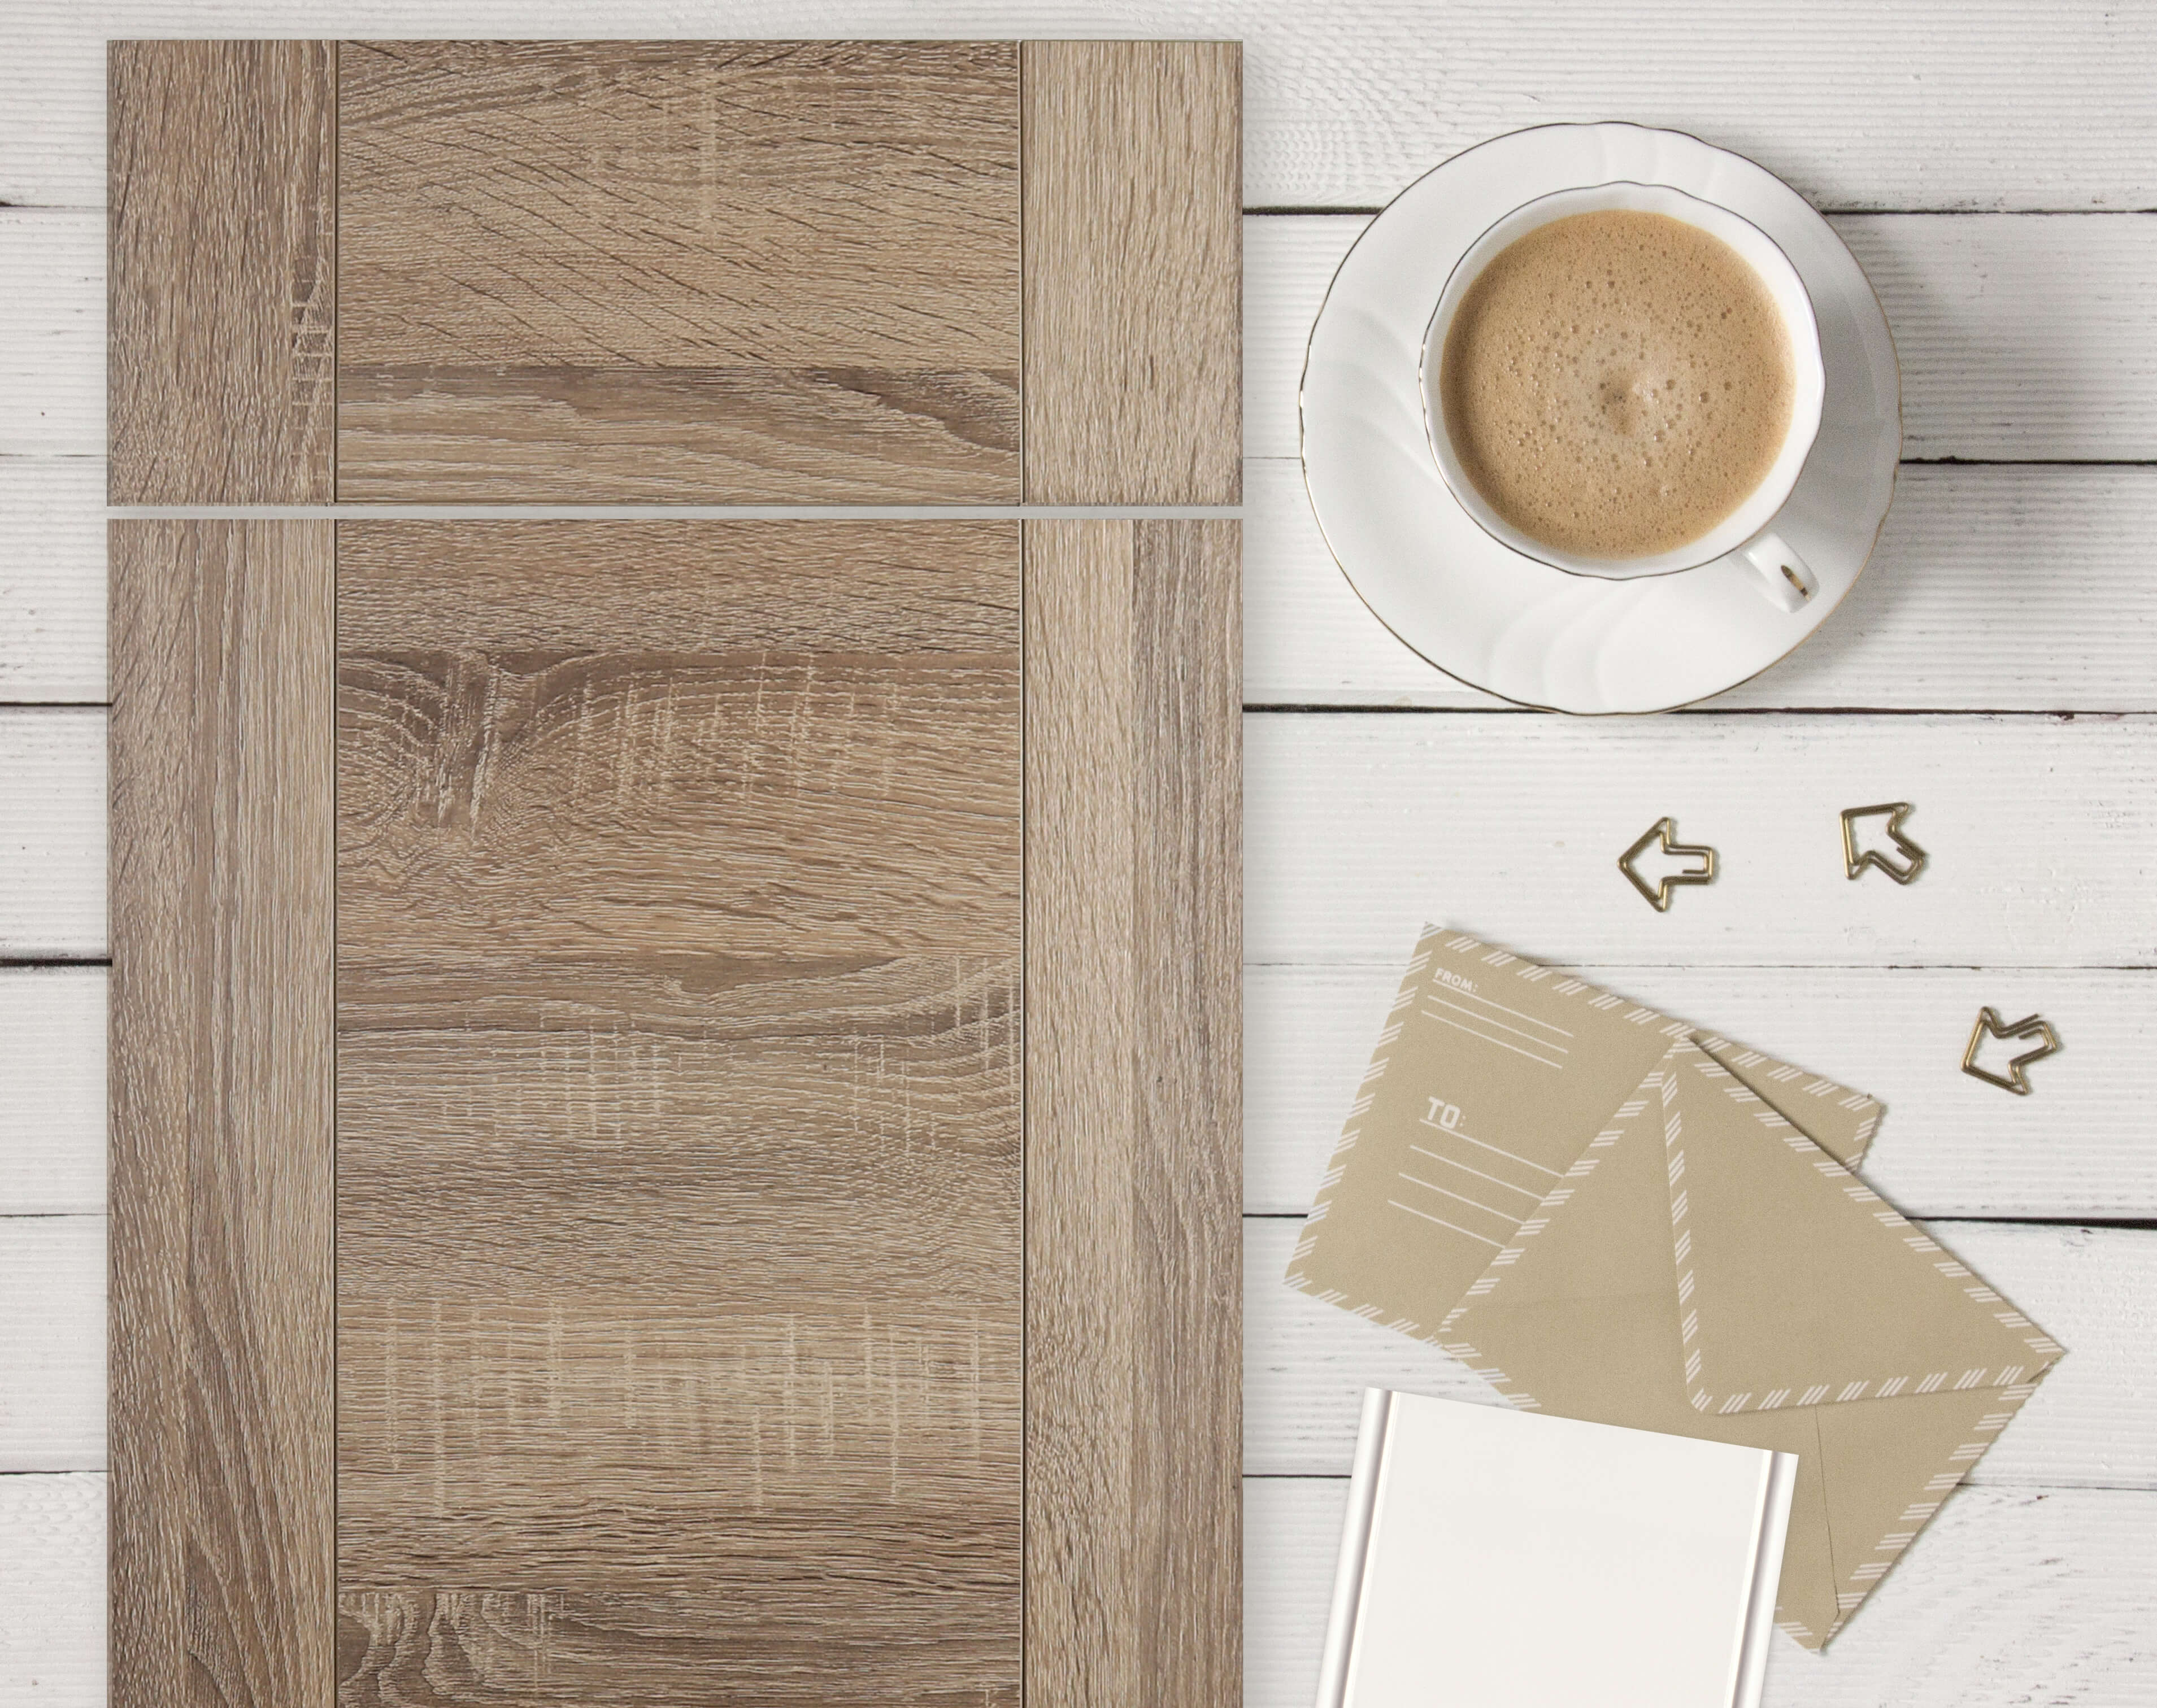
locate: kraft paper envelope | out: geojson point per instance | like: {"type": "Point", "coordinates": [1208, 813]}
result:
{"type": "Point", "coordinates": [1610, 1216]}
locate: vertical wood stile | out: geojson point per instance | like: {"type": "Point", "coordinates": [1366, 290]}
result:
{"type": "Point", "coordinates": [223, 273]}
{"type": "Point", "coordinates": [1132, 190]}
{"type": "Point", "coordinates": [1133, 1026]}
{"type": "Point", "coordinates": [223, 1501]}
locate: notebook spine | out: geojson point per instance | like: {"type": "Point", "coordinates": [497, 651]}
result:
{"type": "Point", "coordinates": [1354, 1549]}
{"type": "Point", "coordinates": [1770, 1531]}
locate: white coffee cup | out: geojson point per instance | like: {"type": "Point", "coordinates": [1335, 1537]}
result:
{"type": "Point", "coordinates": [1747, 532]}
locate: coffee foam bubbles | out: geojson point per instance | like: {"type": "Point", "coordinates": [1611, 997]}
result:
{"type": "Point", "coordinates": [1616, 383]}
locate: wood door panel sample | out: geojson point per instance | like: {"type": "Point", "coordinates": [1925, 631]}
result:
{"type": "Point", "coordinates": [774, 272]}
{"type": "Point", "coordinates": [786, 271]}
{"type": "Point", "coordinates": [222, 272]}
{"type": "Point", "coordinates": [223, 1497]}
{"type": "Point", "coordinates": [1134, 1062]}
{"type": "Point", "coordinates": [1133, 183]}
{"type": "Point", "coordinates": [679, 1109]}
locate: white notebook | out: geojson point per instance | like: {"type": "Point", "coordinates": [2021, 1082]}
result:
{"type": "Point", "coordinates": [1494, 1557]}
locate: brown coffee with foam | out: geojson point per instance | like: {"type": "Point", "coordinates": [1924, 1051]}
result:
{"type": "Point", "coordinates": [1616, 383]}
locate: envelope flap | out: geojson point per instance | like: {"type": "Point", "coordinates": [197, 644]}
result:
{"type": "Point", "coordinates": [1841, 1121]}
{"type": "Point", "coordinates": [1797, 1284]}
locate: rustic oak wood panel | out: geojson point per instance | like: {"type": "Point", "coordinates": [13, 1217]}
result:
{"type": "Point", "coordinates": [679, 738]}
{"type": "Point", "coordinates": [1533, 864]}
{"type": "Point", "coordinates": [222, 234]}
{"type": "Point", "coordinates": [1133, 1049]}
{"type": "Point", "coordinates": [223, 1502]}
{"type": "Point", "coordinates": [2014, 1590]}
{"type": "Point", "coordinates": [1134, 272]}
{"type": "Point", "coordinates": [679, 1187]}
{"type": "Point", "coordinates": [1305, 1363]}
{"type": "Point", "coordinates": [749, 270]}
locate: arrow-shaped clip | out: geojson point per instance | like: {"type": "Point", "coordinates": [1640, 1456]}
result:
{"type": "Point", "coordinates": [1988, 1024]}
{"type": "Point", "coordinates": [1854, 862]}
{"type": "Point", "coordinates": [1662, 831]}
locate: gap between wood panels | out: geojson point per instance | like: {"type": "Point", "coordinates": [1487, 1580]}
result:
{"type": "Point", "coordinates": [675, 512]}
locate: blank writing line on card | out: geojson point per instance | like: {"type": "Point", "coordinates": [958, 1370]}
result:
{"type": "Point", "coordinates": [1525, 1191]}
{"type": "Point", "coordinates": [1426, 1215]}
{"type": "Point", "coordinates": [1456, 1133]}
{"type": "Point", "coordinates": [1485, 1038]}
{"type": "Point", "coordinates": [1429, 1186]}
{"type": "Point", "coordinates": [1485, 1020]}
{"type": "Point", "coordinates": [1515, 1012]}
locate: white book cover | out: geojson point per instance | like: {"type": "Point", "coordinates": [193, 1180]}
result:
{"type": "Point", "coordinates": [1493, 1557]}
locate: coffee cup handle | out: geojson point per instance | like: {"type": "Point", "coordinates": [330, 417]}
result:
{"type": "Point", "coordinates": [1784, 576]}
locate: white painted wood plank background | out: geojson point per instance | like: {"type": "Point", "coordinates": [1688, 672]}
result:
{"type": "Point", "coordinates": [1944, 135]}
{"type": "Point", "coordinates": [1993, 588]}
{"type": "Point", "coordinates": [1950, 1146]}
{"type": "Point", "coordinates": [1305, 1364]}
{"type": "Point", "coordinates": [1359, 829]}
{"type": "Point", "coordinates": [2031, 339]}
{"type": "Point", "coordinates": [52, 1113]}
{"type": "Point", "coordinates": [2019, 337]}
{"type": "Point", "coordinates": [1932, 103]}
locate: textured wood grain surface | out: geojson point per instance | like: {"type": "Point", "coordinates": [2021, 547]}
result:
{"type": "Point", "coordinates": [2019, 1595]}
{"type": "Point", "coordinates": [2016, 348]}
{"type": "Point", "coordinates": [222, 234]}
{"type": "Point", "coordinates": [679, 1182]}
{"type": "Point", "coordinates": [1304, 1365]}
{"type": "Point", "coordinates": [223, 1501]}
{"type": "Point", "coordinates": [1134, 272]}
{"type": "Point", "coordinates": [1953, 1148]}
{"type": "Point", "coordinates": [1133, 1047]}
{"type": "Point", "coordinates": [1993, 588]}
{"type": "Point", "coordinates": [729, 271]}
{"type": "Point", "coordinates": [1362, 827]}
{"type": "Point", "coordinates": [582, 739]}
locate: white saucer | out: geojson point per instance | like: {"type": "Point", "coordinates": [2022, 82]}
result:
{"type": "Point", "coordinates": [1482, 612]}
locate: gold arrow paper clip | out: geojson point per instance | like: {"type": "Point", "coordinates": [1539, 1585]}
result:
{"type": "Point", "coordinates": [1663, 831]}
{"type": "Point", "coordinates": [1853, 863]}
{"type": "Point", "coordinates": [1988, 1024]}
